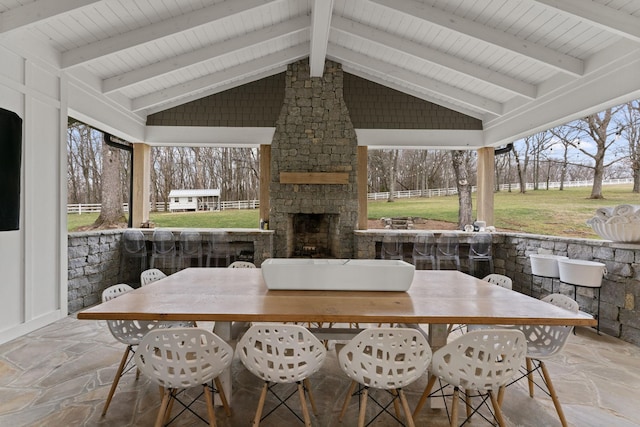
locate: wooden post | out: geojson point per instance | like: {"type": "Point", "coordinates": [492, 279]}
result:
{"type": "Point", "coordinates": [486, 173]}
{"type": "Point", "coordinates": [141, 184]}
{"type": "Point", "coordinates": [265, 180]}
{"type": "Point", "coordinates": [362, 188]}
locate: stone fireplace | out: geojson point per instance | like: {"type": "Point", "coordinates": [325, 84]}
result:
{"type": "Point", "coordinates": [313, 190]}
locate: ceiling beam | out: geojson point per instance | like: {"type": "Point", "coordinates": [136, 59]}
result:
{"type": "Point", "coordinates": [267, 62]}
{"type": "Point", "coordinates": [159, 30]}
{"type": "Point", "coordinates": [604, 17]}
{"type": "Point", "coordinates": [434, 57]}
{"type": "Point", "coordinates": [37, 11]}
{"type": "Point", "coordinates": [438, 88]}
{"type": "Point", "coordinates": [205, 54]}
{"type": "Point", "coordinates": [321, 11]}
{"type": "Point", "coordinates": [549, 57]}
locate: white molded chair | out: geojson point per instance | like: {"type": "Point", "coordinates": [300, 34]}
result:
{"type": "Point", "coordinates": [546, 341]}
{"type": "Point", "coordinates": [448, 249]}
{"type": "Point", "coordinates": [500, 280]}
{"type": "Point", "coordinates": [391, 248]}
{"type": "Point", "coordinates": [480, 251]}
{"type": "Point", "coordinates": [482, 361]}
{"type": "Point", "coordinates": [128, 332]}
{"type": "Point", "coordinates": [282, 354]}
{"type": "Point", "coordinates": [424, 250]}
{"type": "Point", "coordinates": [242, 264]}
{"type": "Point", "coordinates": [181, 358]}
{"type": "Point", "coordinates": [151, 275]}
{"type": "Point", "coordinates": [387, 359]}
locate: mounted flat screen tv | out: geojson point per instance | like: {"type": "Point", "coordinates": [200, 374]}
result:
{"type": "Point", "coordinates": [10, 158]}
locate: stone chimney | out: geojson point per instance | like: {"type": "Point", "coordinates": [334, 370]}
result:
{"type": "Point", "coordinates": [314, 200]}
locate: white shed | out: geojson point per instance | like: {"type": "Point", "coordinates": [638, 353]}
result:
{"type": "Point", "coordinates": [194, 200]}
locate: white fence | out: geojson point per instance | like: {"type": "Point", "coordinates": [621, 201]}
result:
{"type": "Point", "coordinates": [405, 194]}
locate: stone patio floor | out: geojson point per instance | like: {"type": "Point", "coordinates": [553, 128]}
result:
{"type": "Point", "coordinates": [60, 376]}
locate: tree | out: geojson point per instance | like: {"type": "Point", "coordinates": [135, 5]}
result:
{"type": "Point", "coordinates": [596, 127]}
{"type": "Point", "coordinates": [460, 160]}
{"type": "Point", "coordinates": [630, 128]}
{"type": "Point", "coordinates": [111, 211]}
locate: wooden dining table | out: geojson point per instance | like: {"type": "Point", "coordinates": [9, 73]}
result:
{"type": "Point", "coordinates": [232, 297]}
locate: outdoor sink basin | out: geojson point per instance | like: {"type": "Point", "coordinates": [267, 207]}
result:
{"type": "Point", "coordinates": [337, 274]}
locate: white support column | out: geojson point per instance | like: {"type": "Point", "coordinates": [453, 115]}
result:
{"type": "Point", "coordinates": [141, 184]}
{"type": "Point", "coordinates": [486, 173]}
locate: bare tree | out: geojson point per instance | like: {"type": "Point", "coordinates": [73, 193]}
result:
{"type": "Point", "coordinates": [459, 161]}
{"type": "Point", "coordinates": [596, 127]}
{"type": "Point", "coordinates": [630, 128]}
{"type": "Point", "coordinates": [111, 211]}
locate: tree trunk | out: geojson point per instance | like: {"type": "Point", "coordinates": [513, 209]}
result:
{"type": "Point", "coordinates": [393, 166]}
{"type": "Point", "coordinates": [465, 208]}
{"type": "Point", "coordinates": [111, 212]}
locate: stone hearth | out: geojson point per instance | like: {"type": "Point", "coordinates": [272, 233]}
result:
{"type": "Point", "coordinates": [314, 134]}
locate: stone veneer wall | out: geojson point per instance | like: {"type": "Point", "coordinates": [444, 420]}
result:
{"type": "Point", "coordinates": [94, 262]}
{"type": "Point", "coordinates": [314, 134]}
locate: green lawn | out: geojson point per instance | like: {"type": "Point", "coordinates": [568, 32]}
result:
{"type": "Point", "coordinates": [552, 212]}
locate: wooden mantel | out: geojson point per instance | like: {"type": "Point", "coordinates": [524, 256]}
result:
{"type": "Point", "coordinates": [314, 178]}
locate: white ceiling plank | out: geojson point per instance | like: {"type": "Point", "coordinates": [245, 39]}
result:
{"type": "Point", "coordinates": [436, 57]}
{"type": "Point", "coordinates": [604, 17]}
{"type": "Point", "coordinates": [321, 11]}
{"type": "Point", "coordinates": [429, 85]}
{"type": "Point", "coordinates": [220, 88]}
{"type": "Point", "coordinates": [158, 30]}
{"type": "Point", "coordinates": [197, 85]}
{"type": "Point", "coordinates": [37, 11]}
{"type": "Point", "coordinates": [552, 58]}
{"type": "Point", "coordinates": [208, 53]}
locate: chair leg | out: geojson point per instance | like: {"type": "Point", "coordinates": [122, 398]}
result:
{"type": "Point", "coordinates": [210, 410]}
{"type": "Point", "coordinates": [163, 408]}
{"type": "Point", "coordinates": [425, 395]}
{"type": "Point", "coordinates": [307, 385]}
{"type": "Point", "coordinates": [116, 380]}
{"type": "Point", "coordinates": [552, 392]}
{"type": "Point", "coordinates": [454, 407]}
{"type": "Point", "coordinates": [501, 395]}
{"type": "Point", "coordinates": [496, 409]}
{"type": "Point", "coordinates": [405, 407]}
{"type": "Point", "coordinates": [529, 365]}
{"type": "Point", "coordinates": [347, 399]}
{"type": "Point", "coordinates": [467, 401]}
{"type": "Point", "coordinates": [396, 403]}
{"type": "Point", "coordinates": [263, 396]}
{"type": "Point", "coordinates": [303, 404]}
{"type": "Point", "coordinates": [223, 396]}
{"type": "Point", "coordinates": [363, 407]}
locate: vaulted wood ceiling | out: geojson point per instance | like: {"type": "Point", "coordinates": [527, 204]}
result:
{"type": "Point", "coordinates": [518, 65]}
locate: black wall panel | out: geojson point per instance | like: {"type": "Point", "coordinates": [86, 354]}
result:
{"type": "Point", "coordinates": [10, 157]}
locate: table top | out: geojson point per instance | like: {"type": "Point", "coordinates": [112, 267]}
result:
{"type": "Point", "coordinates": [231, 294]}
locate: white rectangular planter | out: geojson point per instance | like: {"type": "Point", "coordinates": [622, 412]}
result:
{"type": "Point", "coordinates": [581, 272]}
{"type": "Point", "coordinates": [337, 274]}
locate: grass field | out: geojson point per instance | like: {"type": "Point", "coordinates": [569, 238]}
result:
{"type": "Point", "coordinates": [552, 212]}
